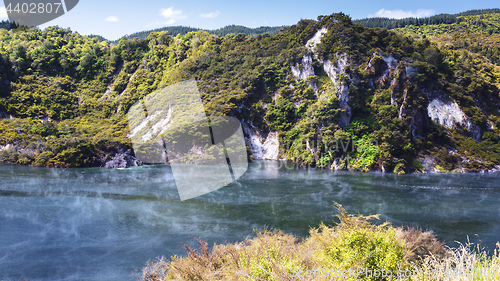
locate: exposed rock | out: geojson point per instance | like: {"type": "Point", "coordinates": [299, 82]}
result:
{"type": "Point", "coordinates": [390, 64]}
{"type": "Point", "coordinates": [271, 146]}
{"type": "Point", "coordinates": [123, 160]}
{"type": "Point", "coordinates": [162, 124]}
{"type": "Point", "coordinates": [490, 125]}
{"type": "Point", "coordinates": [345, 116]}
{"type": "Point", "coordinates": [411, 71]}
{"type": "Point", "coordinates": [414, 118]}
{"type": "Point", "coordinates": [311, 149]}
{"type": "Point", "coordinates": [7, 147]}
{"type": "Point", "coordinates": [446, 112]}
{"type": "Point", "coordinates": [304, 69]}
{"type": "Point", "coordinates": [495, 169]}
{"type": "Point", "coordinates": [395, 89]}
{"type": "Point", "coordinates": [339, 164]}
{"type": "Point", "coordinates": [389, 60]}
{"type": "Point", "coordinates": [44, 119]}
{"type": "Point", "coordinates": [476, 133]}
{"type": "Point", "coordinates": [429, 164]}
{"type": "Point", "coordinates": [108, 93]}
{"type": "Point", "coordinates": [381, 66]}
{"type": "Point", "coordinates": [316, 39]}
{"type": "Point", "coordinates": [261, 148]}
{"type": "Point", "coordinates": [417, 123]}
{"type": "Point", "coordinates": [334, 70]}
{"type": "Point", "coordinates": [342, 89]}
{"type": "Point", "coordinates": [5, 115]}
{"type": "Point", "coordinates": [253, 140]}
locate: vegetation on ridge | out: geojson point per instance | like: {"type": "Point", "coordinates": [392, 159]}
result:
{"type": "Point", "coordinates": [85, 87]}
{"type": "Point", "coordinates": [432, 20]}
{"type": "Point", "coordinates": [223, 31]}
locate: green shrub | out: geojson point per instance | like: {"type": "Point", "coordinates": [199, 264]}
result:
{"type": "Point", "coordinates": [417, 165]}
{"type": "Point", "coordinates": [354, 243]}
{"type": "Point", "coordinates": [359, 246]}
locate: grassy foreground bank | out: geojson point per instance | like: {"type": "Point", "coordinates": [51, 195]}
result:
{"type": "Point", "coordinates": [354, 249]}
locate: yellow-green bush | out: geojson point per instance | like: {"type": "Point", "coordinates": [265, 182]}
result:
{"type": "Point", "coordinates": [356, 245]}
{"type": "Point", "coordinates": [353, 249]}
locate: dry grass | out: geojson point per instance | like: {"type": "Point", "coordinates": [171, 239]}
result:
{"type": "Point", "coordinates": [463, 263]}
{"type": "Point", "coordinates": [354, 249]}
{"type": "Point", "coordinates": [420, 244]}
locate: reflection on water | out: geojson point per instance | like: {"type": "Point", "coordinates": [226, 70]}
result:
{"type": "Point", "coordinates": [99, 224]}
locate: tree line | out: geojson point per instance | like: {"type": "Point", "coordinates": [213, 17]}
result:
{"type": "Point", "coordinates": [223, 31]}
{"type": "Point", "coordinates": [387, 23]}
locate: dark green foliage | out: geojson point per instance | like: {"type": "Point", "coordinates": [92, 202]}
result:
{"type": "Point", "coordinates": [33, 96]}
{"type": "Point", "coordinates": [437, 19]}
{"type": "Point", "coordinates": [282, 114]}
{"type": "Point", "coordinates": [223, 31]}
{"type": "Point", "coordinates": [98, 37]}
{"type": "Point", "coordinates": [85, 86]}
{"type": "Point", "coordinates": [487, 24]}
{"type": "Point", "coordinates": [5, 24]}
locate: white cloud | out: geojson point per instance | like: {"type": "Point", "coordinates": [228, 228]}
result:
{"type": "Point", "coordinates": [400, 14]}
{"type": "Point", "coordinates": [112, 19]}
{"type": "Point", "coordinates": [172, 15]}
{"type": "Point", "coordinates": [211, 15]}
{"type": "Point", "coordinates": [3, 13]}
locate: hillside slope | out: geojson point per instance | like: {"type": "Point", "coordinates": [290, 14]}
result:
{"type": "Point", "coordinates": [389, 23]}
{"type": "Point", "coordinates": [326, 93]}
{"type": "Point", "coordinates": [486, 24]}
{"type": "Point", "coordinates": [223, 31]}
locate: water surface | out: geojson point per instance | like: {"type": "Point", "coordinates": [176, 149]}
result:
{"type": "Point", "coordinates": [101, 224]}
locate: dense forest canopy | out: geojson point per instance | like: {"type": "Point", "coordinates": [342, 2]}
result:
{"type": "Point", "coordinates": [5, 24]}
{"type": "Point", "coordinates": [182, 30]}
{"type": "Point", "coordinates": [437, 19]}
{"type": "Point", "coordinates": [223, 31]}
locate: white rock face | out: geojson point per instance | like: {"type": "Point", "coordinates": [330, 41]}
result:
{"type": "Point", "coordinates": [411, 71]}
{"type": "Point", "coordinates": [253, 140]}
{"type": "Point", "coordinates": [259, 147]}
{"type": "Point", "coordinates": [345, 116]}
{"type": "Point", "coordinates": [490, 125]}
{"type": "Point", "coordinates": [448, 114]}
{"type": "Point", "coordinates": [271, 146]}
{"type": "Point", "coordinates": [333, 72]}
{"type": "Point", "coordinates": [390, 60]}
{"type": "Point", "coordinates": [305, 69]}
{"type": "Point", "coordinates": [316, 39]}
{"type": "Point", "coordinates": [6, 147]}
{"type": "Point", "coordinates": [495, 169]}
{"type": "Point", "coordinates": [4, 115]}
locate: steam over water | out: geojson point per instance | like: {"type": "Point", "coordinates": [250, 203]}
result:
{"type": "Point", "coordinates": [100, 224]}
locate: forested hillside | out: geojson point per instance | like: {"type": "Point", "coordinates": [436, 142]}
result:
{"type": "Point", "coordinates": [223, 31]}
{"type": "Point", "coordinates": [7, 25]}
{"type": "Point", "coordinates": [486, 24]}
{"type": "Point", "coordinates": [400, 104]}
{"type": "Point", "coordinates": [437, 19]}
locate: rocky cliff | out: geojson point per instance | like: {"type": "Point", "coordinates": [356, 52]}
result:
{"type": "Point", "coordinates": [326, 93]}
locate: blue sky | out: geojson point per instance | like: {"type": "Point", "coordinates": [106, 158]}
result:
{"type": "Point", "coordinates": [113, 19]}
